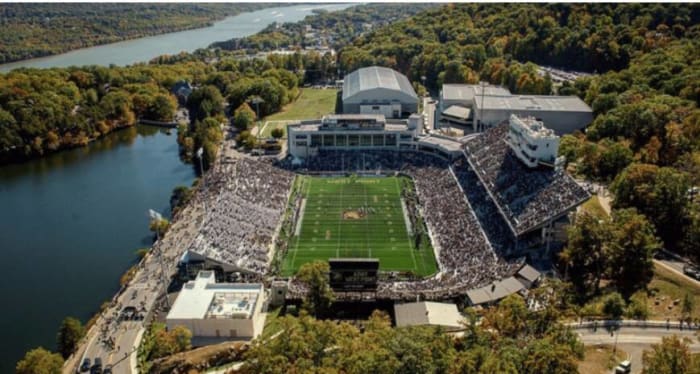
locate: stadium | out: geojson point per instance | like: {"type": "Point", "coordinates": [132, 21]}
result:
{"type": "Point", "coordinates": [401, 220]}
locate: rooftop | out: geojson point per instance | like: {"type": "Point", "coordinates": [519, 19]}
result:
{"type": "Point", "coordinates": [204, 298]}
{"type": "Point", "coordinates": [495, 291]}
{"type": "Point", "coordinates": [533, 102]}
{"type": "Point", "coordinates": [532, 126]}
{"type": "Point", "coordinates": [457, 111]}
{"type": "Point", "coordinates": [467, 92]}
{"type": "Point", "coordinates": [376, 77]}
{"type": "Point", "coordinates": [427, 313]}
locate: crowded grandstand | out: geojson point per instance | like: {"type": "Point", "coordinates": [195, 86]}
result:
{"type": "Point", "coordinates": [480, 211]}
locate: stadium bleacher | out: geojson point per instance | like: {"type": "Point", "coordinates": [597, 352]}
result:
{"type": "Point", "coordinates": [528, 198]}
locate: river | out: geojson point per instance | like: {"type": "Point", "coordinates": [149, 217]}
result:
{"type": "Point", "coordinates": [144, 49]}
{"type": "Point", "coordinates": [71, 221]}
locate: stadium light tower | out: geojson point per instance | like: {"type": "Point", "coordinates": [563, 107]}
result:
{"type": "Point", "coordinates": [257, 100]}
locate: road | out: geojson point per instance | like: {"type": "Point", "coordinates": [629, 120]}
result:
{"type": "Point", "coordinates": [635, 340]}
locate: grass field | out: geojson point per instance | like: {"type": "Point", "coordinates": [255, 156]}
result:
{"type": "Point", "coordinates": [312, 103]}
{"type": "Point", "coordinates": [356, 217]}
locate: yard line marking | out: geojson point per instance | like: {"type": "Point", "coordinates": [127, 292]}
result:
{"type": "Point", "coordinates": [340, 218]}
{"type": "Point", "coordinates": [369, 250]}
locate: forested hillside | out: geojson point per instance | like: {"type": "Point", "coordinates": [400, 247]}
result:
{"type": "Point", "coordinates": [36, 30]}
{"type": "Point", "coordinates": [467, 42]}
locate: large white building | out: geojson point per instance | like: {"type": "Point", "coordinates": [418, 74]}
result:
{"type": "Point", "coordinates": [223, 310]}
{"type": "Point", "coordinates": [344, 132]}
{"type": "Point", "coordinates": [531, 141]}
{"type": "Point", "coordinates": [348, 132]}
{"type": "Point", "coordinates": [465, 105]}
{"type": "Point", "coordinates": [379, 90]}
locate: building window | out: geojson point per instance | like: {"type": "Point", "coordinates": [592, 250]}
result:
{"type": "Point", "coordinates": [328, 140]}
{"type": "Point", "coordinates": [340, 140]}
{"type": "Point", "coordinates": [302, 137]}
{"type": "Point", "coordinates": [378, 140]}
{"type": "Point", "coordinates": [366, 140]}
{"type": "Point", "coordinates": [315, 140]}
{"type": "Point", "coordinates": [353, 140]}
{"type": "Point", "coordinates": [390, 140]}
{"type": "Point", "coordinates": [301, 144]}
{"type": "Point", "coordinates": [375, 107]}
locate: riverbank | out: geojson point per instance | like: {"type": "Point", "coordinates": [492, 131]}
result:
{"type": "Point", "coordinates": [145, 49]}
{"type": "Point", "coordinates": [72, 222]}
{"type": "Point", "coordinates": [57, 33]}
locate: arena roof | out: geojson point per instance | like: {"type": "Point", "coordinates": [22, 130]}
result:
{"type": "Point", "coordinates": [374, 77]}
{"type": "Point", "coordinates": [466, 92]}
{"type": "Point", "coordinates": [527, 198]}
{"type": "Point", "coordinates": [533, 102]}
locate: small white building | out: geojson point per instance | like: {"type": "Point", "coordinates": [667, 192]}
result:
{"type": "Point", "coordinates": [223, 310]}
{"type": "Point", "coordinates": [531, 141]}
{"type": "Point", "coordinates": [428, 313]}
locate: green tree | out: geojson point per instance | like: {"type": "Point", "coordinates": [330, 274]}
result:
{"type": "Point", "coordinates": [613, 305]}
{"type": "Point", "coordinates": [69, 334]}
{"type": "Point", "coordinates": [243, 117]}
{"type": "Point", "coordinates": [687, 307]}
{"type": "Point", "coordinates": [671, 356]}
{"type": "Point", "coordinates": [277, 133]}
{"type": "Point", "coordinates": [159, 226]}
{"type": "Point", "coordinates": [320, 295]}
{"type": "Point", "coordinates": [631, 250]}
{"type": "Point", "coordinates": [584, 256]}
{"type": "Point", "coordinates": [40, 361]}
{"type": "Point", "coordinates": [163, 108]}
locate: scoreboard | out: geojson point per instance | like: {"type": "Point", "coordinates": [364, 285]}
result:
{"type": "Point", "coordinates": [353, 274]}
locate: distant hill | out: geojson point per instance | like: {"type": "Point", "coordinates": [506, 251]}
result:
{"type": "Point", "coordinates": [35, 30]}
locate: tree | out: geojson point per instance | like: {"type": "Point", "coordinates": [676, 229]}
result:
{"type": "Point", "coordinates": [163, 108]}
{"type": "Point", "coordinates": [631, 250]}
{"type": "Point", "coordinates": [40, 361]}
{"type": "Point", "coordinates": [159, 226]}
{"type": "Point", "coordinates": [69, 334]}
{"type": "Point", "coordinates": [277, 133]}
{"type": "Point", "coordinates": [613, 305]}
{"type": "Point", "coordinates": [670, 357]}
{"type": "Point", "coordinates": [584, 256]}
{"type": "Point", "coordinates": [658, 193]}
{"type": "Point", "coordinates": [320, 296]}
{"type": "Point", "coordinates": [687, 307]}
{"type": "Point", "coordinates": [243, 117]}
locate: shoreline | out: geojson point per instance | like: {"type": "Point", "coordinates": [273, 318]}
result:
{"type": "Point", "coordinates": [209, 23]}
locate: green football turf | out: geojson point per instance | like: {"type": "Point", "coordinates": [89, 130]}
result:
{"type": "Point", "coordinates": [380, 233]}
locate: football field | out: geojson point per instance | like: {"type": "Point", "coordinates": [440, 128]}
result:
{"type": "Point", "coordinates": [355, 217]}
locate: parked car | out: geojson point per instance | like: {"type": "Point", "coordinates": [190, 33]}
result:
{"type": "Point", "coordinates": [107, 370]}
{"type": "Point", "coordinates": [85, 366]}
{"type": "Point", "coordinates": [97, 366]}
{"type": "Point", "coordinates": [691, 271]}
{"type": "Point", "coordinates": [624, 367]}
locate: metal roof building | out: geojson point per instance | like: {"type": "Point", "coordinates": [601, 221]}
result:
{"type": "Point", "coordinates": [379, 90]}
{"type": "Point", "coordinates": [428, 313]}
